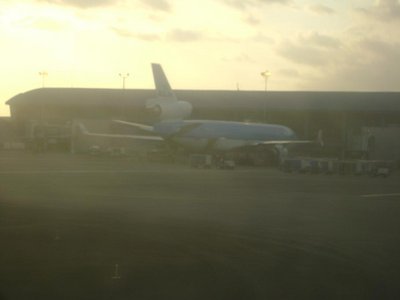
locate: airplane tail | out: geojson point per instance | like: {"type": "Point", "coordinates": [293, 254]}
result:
{"type": "Point", "coordinates": [161, 82]}
{"type": "Point", "coordinates": [166, 105]}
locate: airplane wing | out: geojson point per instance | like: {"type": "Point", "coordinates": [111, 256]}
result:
{"type": "Point", "coordinates": [182, 130]}
{"type": "Point", "coordinates": [288, 142]}
{"type": "Point", "coordinates": [143, 127]}
{"type": "Point", "coordinates": [127, 136]}
{"type": "Point", "coordinates": [80, 128]}
{"type": "Point", "coordinates": [319, 140]}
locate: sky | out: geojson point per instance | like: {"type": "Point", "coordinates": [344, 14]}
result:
{"type": "Point", "coordinates": [210, 44]}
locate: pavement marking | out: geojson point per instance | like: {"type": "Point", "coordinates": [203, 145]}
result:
{"type": "Point", "coordinates": [79, 171]}
{"type": "Point", "coordinates": [27, 172]}
{"type": "Point", "coordinates": [380, 195]}
{"type": "Point", "coordinates": [151, 171]}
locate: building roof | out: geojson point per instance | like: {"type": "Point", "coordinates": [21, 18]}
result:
{"type": "Point", "coordinates": [271, 100]}
{"type": "Point", "coordinates": [80, 96]}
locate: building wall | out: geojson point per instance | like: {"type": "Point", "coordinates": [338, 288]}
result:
{"type": "Point", "coordinates": [305, 118]}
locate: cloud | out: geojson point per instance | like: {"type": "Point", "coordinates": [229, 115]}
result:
{"type": "Point", "coordinates": [381, 49]}
{"type": "Point", "coordinates": [261, 38]}
{"type": "Point", "coordinates": [149, 37]}
{"type": "Point", "coordinates": [275, 1]}
{"type": "Point", "coordinates": [351, 63]}
{"type": "Point", "coordinates": [321, 9]}
{"type": "Point", "coordinates": [289, 72]}
{"type": "Point", "coordinates": [82, 3]}
{"type": "Point", "coordinates": [48, 24]}
{"type": "Point", "coordinates": [241, 58]}
{"type": "Point", "coordinates": [157, 5]}
{"type": "Point", "coordinates": [175, 35]}
{"type": "Point", "coordinates": [180, 35]}
{"type": "Point", "coordinates": [320, 40]}
{"type": "Point", "coordinates": [313, 50]}
{"type": "Point", "coordinates": [162, 5]}
{"type": "Point", "coordinates": [383, 10]}
{"type": "Point", "coordinates": [251, 20]}
{"type": "Point", "coordinates": [366, 64]}
{"type": "Point", "coordinates": [303, 54]}
{"type": "Point", "coordinates": [379, 72]}
{"type": "Point", "coordinates": [244, 4]}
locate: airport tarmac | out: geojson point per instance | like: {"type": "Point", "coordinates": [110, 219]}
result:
{"type": "Point", "coordinates": [74, 227]}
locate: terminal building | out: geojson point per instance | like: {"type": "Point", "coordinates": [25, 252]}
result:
{"type": "Point", "coordinates": [354, 124]}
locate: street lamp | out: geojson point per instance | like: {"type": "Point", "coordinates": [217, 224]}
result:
{"type": "Point", "coordinates": [43, 74]}
{"type": "Point", "coordinates": [266, 75]}
{"type": "Point", "coordinates": [123, 76]}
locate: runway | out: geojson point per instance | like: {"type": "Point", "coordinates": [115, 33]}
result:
{"type": "Point", "coordinates": [180, 233]}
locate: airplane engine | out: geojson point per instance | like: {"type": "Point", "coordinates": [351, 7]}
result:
{"type": "Point", "coordinates": [176, 110]}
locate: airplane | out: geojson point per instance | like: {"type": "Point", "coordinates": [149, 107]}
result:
{"type": "Point", "coordinates": [207, 135]}
{"type": "Point", "coordinates": [202, 135]}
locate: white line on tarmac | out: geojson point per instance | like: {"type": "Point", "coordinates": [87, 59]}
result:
{"type": "Point", "coordinates": [38, 172]}
{"type": "Point", "coordinates": [380, 195]}
{"type": "Point", "coordinates": [143, 171]}
{"type": "Point", "coordinates": [78, 171]}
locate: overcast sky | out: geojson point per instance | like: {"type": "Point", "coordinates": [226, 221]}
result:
{"type": "Point", "coordinates": [208, 44]}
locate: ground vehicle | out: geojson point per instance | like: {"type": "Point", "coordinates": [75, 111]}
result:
{"type": "Point", "coordinates": [201, 161]}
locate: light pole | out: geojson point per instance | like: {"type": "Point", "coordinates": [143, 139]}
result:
{"type": "Point", "coordinates": [123, 76]}
{"type": "Point", "coordinates": [43, 74]}
{"type": "Point", "coordinates": [266, 75]}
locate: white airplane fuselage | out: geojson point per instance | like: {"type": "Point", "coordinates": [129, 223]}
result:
{"type": "Point", "coordinates": [210, 135]}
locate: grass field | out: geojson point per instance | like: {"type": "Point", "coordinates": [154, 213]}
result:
{"type": "Point", "coordinates": [179, 233]}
